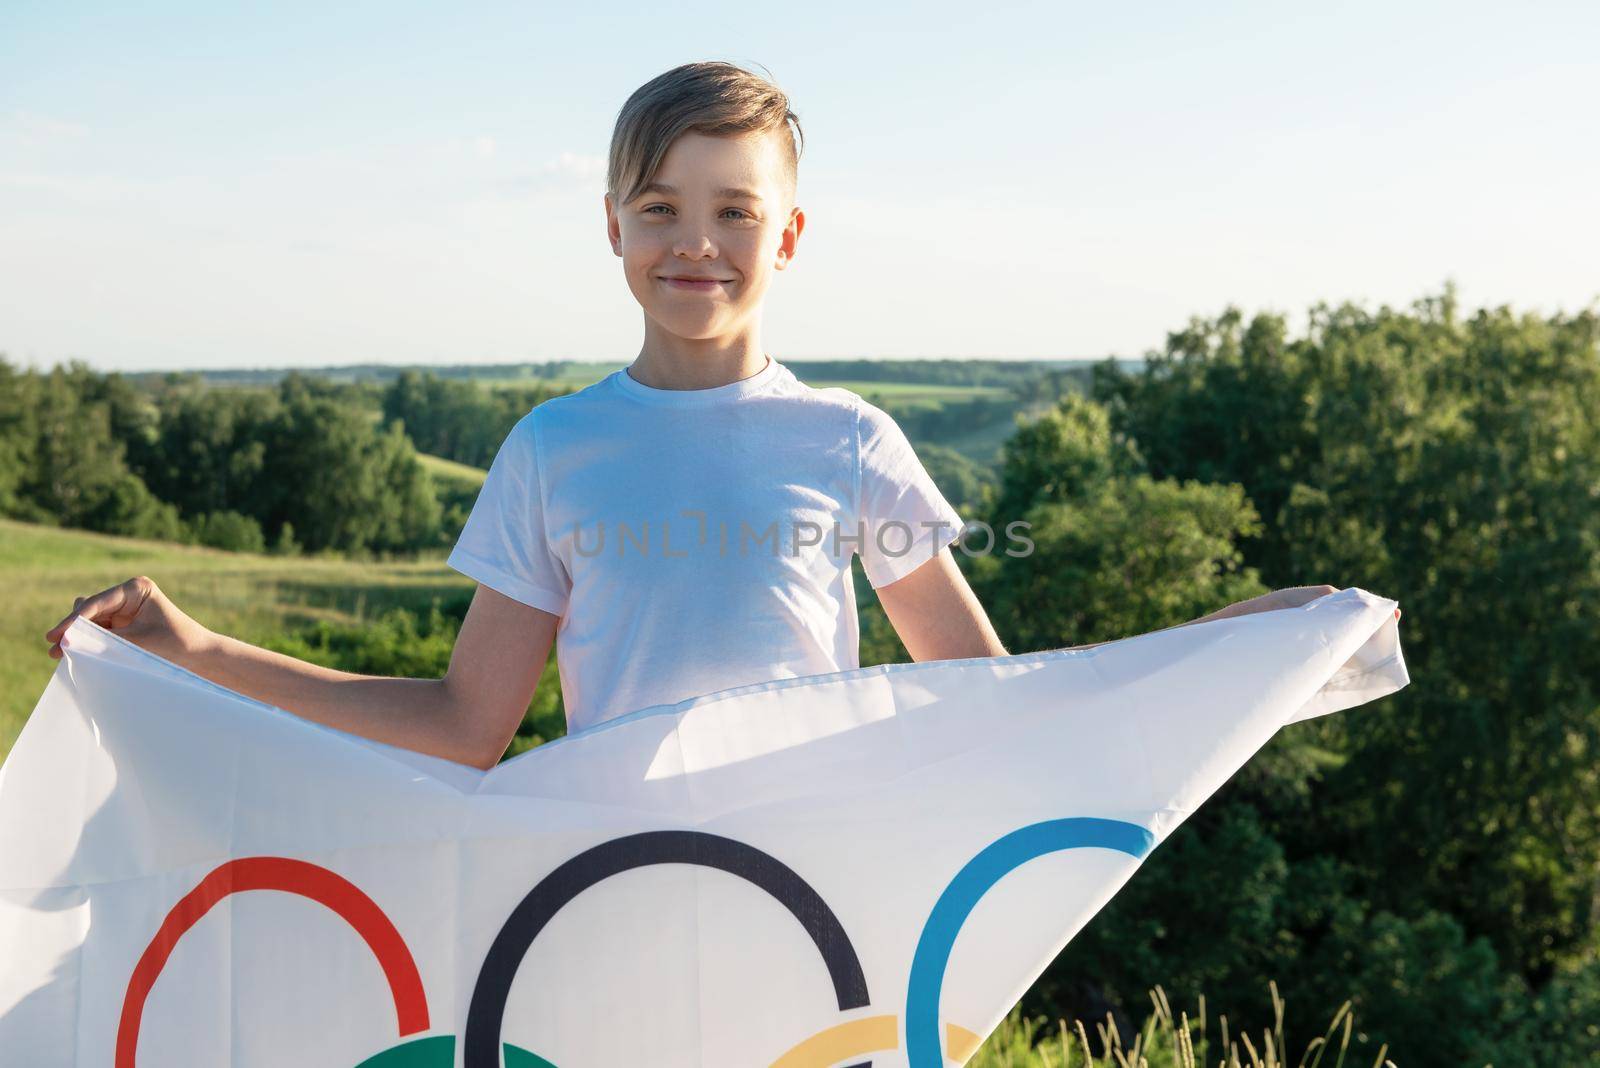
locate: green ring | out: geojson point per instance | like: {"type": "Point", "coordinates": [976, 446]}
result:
{"type": "Point", "coordinates": [440, 1052]}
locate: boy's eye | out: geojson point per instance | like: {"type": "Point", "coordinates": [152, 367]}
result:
{"type": "Point", "coordinates": [740, 212]}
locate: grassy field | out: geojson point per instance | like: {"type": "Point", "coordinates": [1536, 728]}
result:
{"type": "Point", "coordinates": [250, 597]}
{"type": "Point", "coordinates": [449, 473]}
{"type": "Point", "coordinates": [909, 391]}
{"type": "Point", "coordinates": [900, 391]}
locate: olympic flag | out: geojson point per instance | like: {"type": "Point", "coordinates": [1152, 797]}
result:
{"type": "Point", "coordinates": [863, 868]}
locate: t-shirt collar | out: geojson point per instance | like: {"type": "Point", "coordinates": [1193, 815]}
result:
{"type": "Point", "coordinates": [683, 398]}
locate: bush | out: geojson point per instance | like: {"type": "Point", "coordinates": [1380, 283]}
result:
{"type": "Point", "coordinates": [229, 530]}
{"type": "Point", "coordinates": [400, 643]}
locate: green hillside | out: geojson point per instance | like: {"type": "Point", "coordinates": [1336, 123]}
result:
{"type": "Point", "coordinates": [449, 474]}
{"type": "Point", "coordinates": [251, 597]}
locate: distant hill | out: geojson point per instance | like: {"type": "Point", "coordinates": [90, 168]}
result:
{"type": "Point", "coordinates": [953, 372]}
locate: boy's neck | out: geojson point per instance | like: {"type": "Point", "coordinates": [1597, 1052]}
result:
{"type": "Point", "coordinates": [685, 363]}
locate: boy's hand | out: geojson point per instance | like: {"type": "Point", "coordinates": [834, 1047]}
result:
{"type": "Point", "coordinates": [136, 610]}
{"type": "Point", "coordinates": [1290, 597]}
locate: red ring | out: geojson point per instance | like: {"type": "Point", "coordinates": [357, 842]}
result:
{"type": "Point", "coordinates": [292, 877]}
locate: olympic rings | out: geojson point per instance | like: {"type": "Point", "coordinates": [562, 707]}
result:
{"type": "Point", "coordinates": [439, 1051]}
{"type": "Point", "coordinates": [481, 1043]}
{"type": "Point", "coordinates": [293, 877]}
{"type": "Point", "coordinates": [961, 896]}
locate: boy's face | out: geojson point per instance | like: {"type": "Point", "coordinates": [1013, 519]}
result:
{"type": "Point", "coordinates": [693, 223]}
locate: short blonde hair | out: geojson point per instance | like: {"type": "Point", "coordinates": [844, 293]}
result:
{"type": "Point", "coordinates": [713, 98]}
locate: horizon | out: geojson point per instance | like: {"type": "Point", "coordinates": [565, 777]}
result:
{"type": "Point", "coordinates": [189, 187]}
{"type": "Point", "coordinates": [469, 366]}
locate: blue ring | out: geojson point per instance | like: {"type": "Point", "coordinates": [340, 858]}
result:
{"type": "Point", "coordinates": [923, 1046]}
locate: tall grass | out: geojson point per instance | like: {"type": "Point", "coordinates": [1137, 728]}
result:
{"type": "Point", "coordinates": [1165, 1041]}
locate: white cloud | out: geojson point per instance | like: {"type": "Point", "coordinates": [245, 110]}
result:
{"type": "Point", "coordinates": [34, 128]}
{"type": "Point", "coordinates": [569, 170]}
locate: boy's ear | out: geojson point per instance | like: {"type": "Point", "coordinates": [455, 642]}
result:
{"type": "Point", "coordinates": [613, 227]}
{"type": "Point", "coordinates": [790, 238]}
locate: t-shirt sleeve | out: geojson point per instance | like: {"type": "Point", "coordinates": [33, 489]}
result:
{"type": "Point", "coordinates": [905, 520]}
{"type": "Point", "coordinates": [504, 545]}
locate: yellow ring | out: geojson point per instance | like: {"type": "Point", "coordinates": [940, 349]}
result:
{"type": "Point", "coordinates": [871, 1034]}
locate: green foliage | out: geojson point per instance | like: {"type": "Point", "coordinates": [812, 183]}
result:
{"type": "Point", "coordinates": [303, 463]}
{"type": "Point", "coordinates": [401, 643]}
{"type": "Point", "coordinates": [458, 420]}
{"type": "Point", "coordinates": [1009, 374]}
{"type": "Point", "coordinates": [208, 452]}
{"type": "Point", "coordinates": [397, 643]}
{"type": "Point", "coordinates": [285, 544]}
{"type": "Point", "coordinates": [229, 530]}
{"type": "Point", "coordinates": [962, 481]}
{"type": "Point", "coordinates": [1437, 853]}
{"type": "Point", "coordinates": [929, 420]}
{"type": "Point", "coordinates": [1454, 464]}
{"type": "Point", "coordinates": [1560, 1025]}
{"type": "Point", "coordinates": [61, 460]}
{"type": "Point", "coordinates": [1171, 1038]}
{"type": "Point", "coordinates": [1127, 557]}
{"type": "Point", "coordinates": [1060, 457]}
{"type": "Point", "coordinates": [1114, 552]}
{"type": "Point", "coordinates": [1413, 973]}
{"type": "Point", "coordinates": [342, 482]}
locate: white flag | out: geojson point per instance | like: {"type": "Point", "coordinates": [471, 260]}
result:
{"type": "Point", "coordinates": [868, 867]}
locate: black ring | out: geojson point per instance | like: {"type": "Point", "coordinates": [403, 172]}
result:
{"type": "Point", "coordinates": [486, 1013]}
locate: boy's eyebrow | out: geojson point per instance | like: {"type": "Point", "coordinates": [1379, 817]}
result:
{"type": "Point", "coordinates": [672, 191]}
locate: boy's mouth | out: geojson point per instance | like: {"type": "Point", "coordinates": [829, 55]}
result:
{"type": "Point", "coordinates": [693, 283]}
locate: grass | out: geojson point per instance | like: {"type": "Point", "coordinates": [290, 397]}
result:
{"type": "Point", "coordinates": [911, 391]}
{"type": "Point", "coordinates": [899, 391]}
{"type": "Point", "coordinates": [449, 473]}
{"type": "Point", "coordinates": [1165, 1041]}
{"type": "Point", "coordinates": [251, 597]}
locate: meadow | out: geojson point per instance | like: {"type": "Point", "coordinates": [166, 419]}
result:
{"type": "Point", "coordinates": [252, 597]}
{"type": "Point", "coordinates": [1175, 1038]}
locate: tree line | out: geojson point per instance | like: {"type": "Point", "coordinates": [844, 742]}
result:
{"type": "Point", "coordinates": [1435, 856]}
{"type": "Point", "coordinates": [301, 465]}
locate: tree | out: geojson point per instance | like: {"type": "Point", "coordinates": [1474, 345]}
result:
{"type": "Point", "coordinates": [1454, 464]}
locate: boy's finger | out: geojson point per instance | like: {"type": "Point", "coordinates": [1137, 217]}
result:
{"type": "Point", "coordinates": [103, 605]}
{"type": "Point", "coordinates": [89, 608]}
{"type": "Point", "coordinates": [55, 632]}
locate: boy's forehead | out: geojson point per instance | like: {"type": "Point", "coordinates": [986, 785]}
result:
{"type": "Point", "coordinates": [695, 160]}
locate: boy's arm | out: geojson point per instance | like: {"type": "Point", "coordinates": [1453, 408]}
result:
{"type": "Point", "coordinates": [1288, 597]}
{"type": "Point", "coordinates": [469, 716]}
{"type": "Point", "coordinates": [937, 615]}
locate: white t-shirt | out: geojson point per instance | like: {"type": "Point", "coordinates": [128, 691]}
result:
{"type": "Point", "coordinates": [696, 540]}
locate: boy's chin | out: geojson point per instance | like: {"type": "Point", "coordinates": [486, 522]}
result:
{"type": "Point", "coordinates": [695, 328]}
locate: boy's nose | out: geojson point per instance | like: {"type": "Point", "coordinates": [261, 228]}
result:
{"type": "Point", "coordinates": [698, 246]}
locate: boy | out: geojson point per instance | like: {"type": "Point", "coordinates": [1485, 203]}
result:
{"type": "Point", "coordinates": [684, 525]}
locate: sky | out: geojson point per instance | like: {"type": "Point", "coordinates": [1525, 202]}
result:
{"type": "Point", "coordinates": [305, 184]}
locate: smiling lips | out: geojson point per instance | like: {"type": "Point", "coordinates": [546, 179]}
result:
{"type": "Point", "coordinates": [693, 282]}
